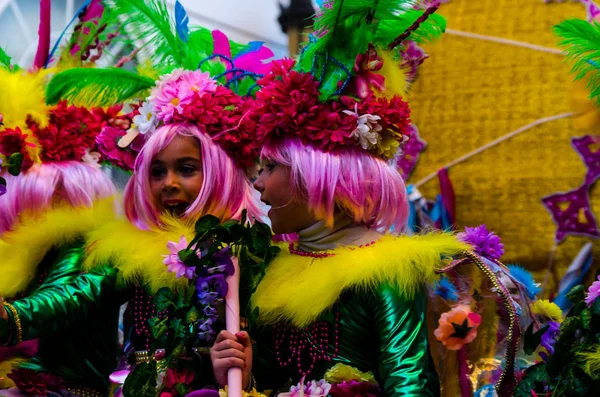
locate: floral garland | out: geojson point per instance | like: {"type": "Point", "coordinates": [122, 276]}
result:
{"type": "Point", "coordinates": [185, 96]}
{"type": "Point", "coordinates": [288, 103]}
{"type": "Point", "coordinates": [188, 319]}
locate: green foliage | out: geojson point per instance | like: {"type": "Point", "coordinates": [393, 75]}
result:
{"type": "Point", "coordinates": [4, 59]}
{"type": "Point", "coordinates": [142, 381]}
{"type": "Point", "coordinates": [14, 163]}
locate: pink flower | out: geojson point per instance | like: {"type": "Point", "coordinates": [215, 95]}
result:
{"type": "Point", "coordinates": [107, 143]}
{"type": "Point", "coordinates": [457, 327]}
{"type": "Point", "coordinates": [199, 82]}
{"type": "Point", "coordinates": [174, 263]}
{"type": "Point", "coordinates": [593, 292]}
{"type": "Point", "coordinates": [311, 389]}
{"type": "Point", "coordinates": [172, 97]}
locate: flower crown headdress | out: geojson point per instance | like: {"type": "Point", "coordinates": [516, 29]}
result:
{"type": "Point", "coordinates": [33, 127]}
{"type": "Point", "coordinates": [346, 88]}
{"type": "Point", "coordinates": [192, 76]}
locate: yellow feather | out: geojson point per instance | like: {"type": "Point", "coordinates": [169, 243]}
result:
{"type": "Point", "coordinates": [23, 94]}
{"type": "Point", "coordinates": [138, 254]}
{"type": "Point", "coordinates": [6, 368]}
{"type": "Point", "coordinates": [23, 249]}
{"type": "Point", "coordinates": [395, 76]}
{"type": "Point", "coordinates": [298, 289]}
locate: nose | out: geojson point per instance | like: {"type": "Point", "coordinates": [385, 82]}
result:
{"type": "Point", "coordinates": [259, 183]}
{"type": "Point", "coordinates": [171, 182]}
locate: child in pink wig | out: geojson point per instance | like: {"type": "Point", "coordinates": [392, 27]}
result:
{"type": "Point", "coordinates": [51, 309]}
{"type": "Point", "coordinates": [343, 309]}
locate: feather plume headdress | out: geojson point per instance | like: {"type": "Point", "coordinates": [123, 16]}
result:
{"type": "Point", "coordinates": [349, 82]}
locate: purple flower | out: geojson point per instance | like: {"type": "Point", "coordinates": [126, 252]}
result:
{"type": "Point", "coordinates": [549, 339]}
{"type": "Point", "coordinates": [202, 286]}
{"type": "Point", "coordinates": [174, 263]}
{"type": "Point", "coordinates": [206, 335]}
{"type": "Point", "coordinates": [207, 298]}
{"type": "Point", "coordinates": [223, 260]}
{"type": "Point", "coordinates": [484, 242]}
{"type": "Point", "coordinates": [593, 292]}
{"type": "Point", "coordinates": [210, 311]}
{"type": "Point", "coordinates": [218, 284]}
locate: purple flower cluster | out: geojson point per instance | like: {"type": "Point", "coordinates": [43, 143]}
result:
{"type": "Point", "coordinates": [549, 339]}
{"type": "Point", "coordinates": [484, 242]}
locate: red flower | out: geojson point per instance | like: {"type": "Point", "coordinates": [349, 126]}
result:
{"type": "Point", "coordinates": [35, 383]}
{"type": "Point", "coordinates": [365, 77]}
{"type": "Point", "coordinates": [354, 389]}
{"type": "Point", "coordinates": [331, 127]}
{"type": "Point", "coordinates": [121, 157]}
{"type": "Point", "coordinates": [173, 378]}
{"type": "Point", "coordinates": [13, 141]}
{"type": "Point", "coordinates": [70, 132]}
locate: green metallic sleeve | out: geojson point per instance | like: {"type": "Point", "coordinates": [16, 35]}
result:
{"type": "Point", "coordinates": [65, 297]}
{"type": "Point", "coordinates": [405, 365]}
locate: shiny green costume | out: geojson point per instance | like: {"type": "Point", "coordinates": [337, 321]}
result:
{"type": "Point", "coordinates": [74, 316]}
{"type": "Point", "coordinates": [379, 331]}
{"type": "Point", "coordinates": [362, 307]}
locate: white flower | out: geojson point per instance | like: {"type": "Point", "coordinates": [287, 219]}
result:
{"type": "Point", "coordinates": [367, 129]}
{"type": "Point", "coordinates": [91, 158]}
{"type": "Point", "coordinates": [146, 120]}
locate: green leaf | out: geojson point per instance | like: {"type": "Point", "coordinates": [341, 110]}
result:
{"type": "Point", "coordinates": [142, 381]}
{"type": "Point", "coordinates": [15, 161]}
{"type": "Point", "coordinates": [188, 257]}
{"type": "Point", "coordinates": [586, 318]}
{"type": "Point", "coordinates": [157, 327]}
{"type": "Point", "coordinates": [596, 307]}
{"type": "Point", "coordinates": [206, 223]}
{"type": "Point", "coordinates": [576, 294]}
{"type": "Point", "coordinates": [2, 181]}
{"type": "Point", "coordinates": [192, 315]}
{"type": "Point", "coordinates": [533, 379]}
{"type": "Point", "coordinates": [163, 299]}
{"type": "Point", "coordinates": [96, 87]}
{"type": "Point", "coordinates": [581, 40]}
{"type": "Point", "coordinates": [533, 339]}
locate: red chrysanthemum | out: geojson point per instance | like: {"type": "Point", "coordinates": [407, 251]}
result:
{"type": "Point", "coordinates": [330, 127]}
{"type": "Point", "coordinates": [70, 132]}
{"type": "Point", "coordinates": [287, 104]}
{"type": "Point", "coordinates": [35, 383]}
{"type": "Point", "coordinates": [14, 141]}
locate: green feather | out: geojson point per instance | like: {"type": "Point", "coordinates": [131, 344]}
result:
{"type": "Point", "coordinates": [4, 59]}
{"type": "Point", "coordinates": [581, 40]}
{"type": "Point", "coordinates": [148, 24]}
{"type": "Point", "coordinates": [428, 31]}
{"type": "Point", "coordinates": [96, 87]}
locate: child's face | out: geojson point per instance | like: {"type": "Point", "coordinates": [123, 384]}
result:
{"type": "Point", "coordinates": [288, 214]}
{"type": "Point", "coordinates": [176, 175]}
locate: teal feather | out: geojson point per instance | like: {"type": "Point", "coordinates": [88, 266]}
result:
{"type": "Point", "coordinates": [96, 87]}
{"type": "Point", "coordinates": [581, 42]}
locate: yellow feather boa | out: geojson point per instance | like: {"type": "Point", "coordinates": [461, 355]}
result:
{"type": "Point", "coordinates": [298, 289]}
{"type": "Point", "coordinates": [138, 254]}
{"type": "Point", "coordinates": [23, 248]}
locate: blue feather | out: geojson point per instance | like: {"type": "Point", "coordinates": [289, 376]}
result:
{"type": "Point", "coordinates": [320, 3]}
{"type": "Point", "coordinates": [181, 22]}
{"type": "Point", "coordinates": [526, 279]}
{"type": "Point", "coordinates": [251, 47]}
{"type": "Point", "coordinates": [446, 290]}
{"type": "Point", "coordinates": [79, 11]}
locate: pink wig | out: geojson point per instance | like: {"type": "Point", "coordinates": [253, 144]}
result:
{"type": "Point", "coordinates": [45, 185]}
{"type": "Point", "coordinates": [225, 192]}
{"type": "Point", "coordinates": [371, 191]}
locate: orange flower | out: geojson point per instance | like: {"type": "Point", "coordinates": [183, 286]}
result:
{"type": "Point", "coordinates": [457, 327]}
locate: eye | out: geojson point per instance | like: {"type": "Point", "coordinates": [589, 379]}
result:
{"type": "Point", "coordinates": [158, 172]}
{"type": "Point", "coordinates": [187, 169]}
{"type": "Point", "coordinates": [270, 166]}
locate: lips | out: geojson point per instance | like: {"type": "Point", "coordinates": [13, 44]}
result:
{"type": "Point", "coordinates": [175, 207]}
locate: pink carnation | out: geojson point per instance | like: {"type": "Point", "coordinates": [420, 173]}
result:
{"type": "Point", "coordinates": [593, 292]}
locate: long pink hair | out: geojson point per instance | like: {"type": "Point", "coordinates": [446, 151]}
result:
{"type": "Point", "coordinates": [225, 192]}
{"type": "Point", "coordinates": [45, 185]}
{"type": "Point", "coordinates": [367, 188]}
